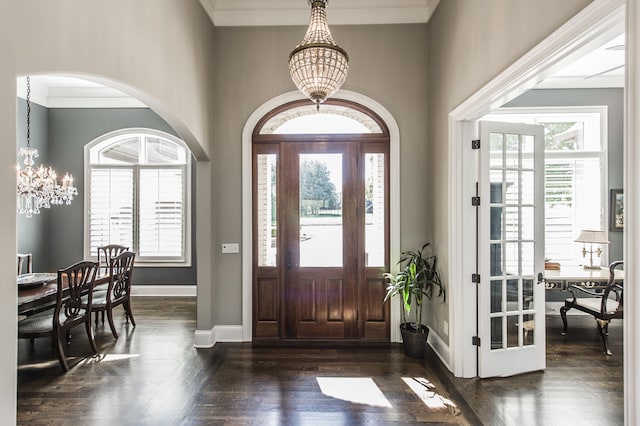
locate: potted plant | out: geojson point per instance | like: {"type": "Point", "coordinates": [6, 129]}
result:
{"type": "Point", "coordinates": [417, 279]}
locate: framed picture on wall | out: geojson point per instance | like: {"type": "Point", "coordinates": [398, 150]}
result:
{"type": "Point", "coordinates": [616, 210]}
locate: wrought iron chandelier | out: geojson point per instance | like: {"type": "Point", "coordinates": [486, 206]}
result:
{"type": "Point", "coordinates": [39, 188]}
{"type": "Point", "coordinates": [318, 66]}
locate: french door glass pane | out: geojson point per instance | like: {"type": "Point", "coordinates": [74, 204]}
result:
{"type": "Point", "coordinates": [374, 209]}
{"type": "Point", "coordinates": [321, 220]}
{"type": "Point", "coordinates": [266, 209]}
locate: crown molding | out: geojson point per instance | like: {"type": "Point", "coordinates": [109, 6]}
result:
{"type": "Point", "coordinates": [224, 13]}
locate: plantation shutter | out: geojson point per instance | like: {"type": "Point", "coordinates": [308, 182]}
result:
{"type": "Point", "coordinates": [572, 203]}
{"type": "Point", "coordinates": [162, 229]}
{"type": "Point", "coordinates": [111, 214]}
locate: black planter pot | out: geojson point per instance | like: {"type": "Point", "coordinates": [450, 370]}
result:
{"type": "Point", "coordinates": [415, 343]}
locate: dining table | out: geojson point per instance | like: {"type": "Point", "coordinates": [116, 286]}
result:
{"type": "Point", "coordinates": [38, 291]}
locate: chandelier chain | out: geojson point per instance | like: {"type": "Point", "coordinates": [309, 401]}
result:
{"type": "Point", "coordinates": [28, 112]}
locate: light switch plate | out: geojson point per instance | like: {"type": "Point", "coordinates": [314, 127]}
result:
{"type": "Point", "coordinates": [230, 248]}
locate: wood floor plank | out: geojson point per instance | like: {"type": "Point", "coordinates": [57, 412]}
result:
{"type": "Point", "coordinates": [152, 375]}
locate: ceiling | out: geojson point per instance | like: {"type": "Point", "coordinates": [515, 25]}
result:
{"type": "Point", "coordinates": [601, 66]}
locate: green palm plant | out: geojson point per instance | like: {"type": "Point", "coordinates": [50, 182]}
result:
{"type": "Point", "coordinates": [418, 279]}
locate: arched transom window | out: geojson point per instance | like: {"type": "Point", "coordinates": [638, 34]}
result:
{"type": "Point", "coordinates": [137, 186]}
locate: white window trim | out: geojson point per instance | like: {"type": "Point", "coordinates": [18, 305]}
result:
{"type": "Point", "coordinates": [543, 113]}
{"type": "Point", "coordinates": [188, 213]}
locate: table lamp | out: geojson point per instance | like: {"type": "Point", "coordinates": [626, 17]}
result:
{"type": "Point", "coordinates": [591, 237]}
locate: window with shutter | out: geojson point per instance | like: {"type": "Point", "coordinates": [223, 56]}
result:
{"type": "Point", "coordinates": [137, 195]}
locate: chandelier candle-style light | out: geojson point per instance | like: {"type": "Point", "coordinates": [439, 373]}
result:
{"type": "Point", "coordinates": [318, 66]}
{"type": "Point", "coordinates": [39, 188]}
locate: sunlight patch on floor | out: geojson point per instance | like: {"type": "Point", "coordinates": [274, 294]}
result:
{"type": "Point", "coordinates": [425, 390]}
{"type": "Point", "coordinates": [359, 390]}
{"type": "Point", "coordinates": [113, 357]}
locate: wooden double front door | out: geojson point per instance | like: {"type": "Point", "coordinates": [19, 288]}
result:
{"type": "Point", "coordinates": [320, 237]}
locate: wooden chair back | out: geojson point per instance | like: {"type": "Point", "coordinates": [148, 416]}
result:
{"type": "Point", "coordinates": [25, 263]}
{"type": "Point", "coordinates": [614, 289]}
{"type": "Point", "coordinates": [78, 279]}
{"type": "Point", "coordinates": [108, 252]}
{"type": "Point", "coordinates": [120, 272]}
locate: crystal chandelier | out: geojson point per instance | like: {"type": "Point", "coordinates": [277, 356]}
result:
{"type": "Point", "coordinates": [318, 66]}
{"type": "Point", "coordinates": [39, 188]}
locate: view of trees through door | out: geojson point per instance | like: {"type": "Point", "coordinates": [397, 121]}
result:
{"type": "Point", "coordinates": [320, 223]}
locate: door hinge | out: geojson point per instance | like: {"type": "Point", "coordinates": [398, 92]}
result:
{"type": "Point", "coordinates": [475, 201]}
{"type": "Point", "coordinates": [475, 278]}
{"type": "Point", "coordinates": [475, 341]}
{"type": "Point", "coordinates": [475, 144]}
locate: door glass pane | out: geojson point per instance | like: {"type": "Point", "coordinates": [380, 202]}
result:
{"type": "Point", "coordinates": [512, 295]}
{"type": "Point", "coordinates": [527, 329]}
{"type": "Point", "coordinates": [513, 327]}
{"type": "Point", "coordinates": [512, 154]}
{"type": "Point", "coordinates": [496, 333]}
{"type": "Point", "coordinates": [266, 209]}
{"type": "Point", "coordinates": [374, 209]}
{"type": "Point", "coordinates": [321, 210]}
{"type": "Point", "coordinates": [496, 296]}
{"type": "Point", "coordinates": [496, 223]}
{"type": "Point", "coordinates": [496, 259]}
{"type": "Point", "coordinates": [527, 294]}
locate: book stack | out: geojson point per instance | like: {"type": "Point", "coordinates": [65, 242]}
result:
{"type": "Point", "coordinates": [551, 266]}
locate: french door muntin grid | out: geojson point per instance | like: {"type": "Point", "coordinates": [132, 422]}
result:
{"type": "Point", "coordinates": [511, 240]}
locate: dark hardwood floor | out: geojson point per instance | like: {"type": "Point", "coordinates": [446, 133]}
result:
{"type": "Point", "coordinates": [152, 375]}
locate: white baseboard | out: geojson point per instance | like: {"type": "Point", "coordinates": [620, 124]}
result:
{"type": "Point", "coordinates": [440, 348]}
{"type": "Point", "coordinates": [164, 290]}
{"type": "Point", "coordinates": [219, 333]}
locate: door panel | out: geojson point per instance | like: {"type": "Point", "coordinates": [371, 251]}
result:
{"type": "Point", "coordinates": [511, 300]}
{"type": "Point", "coordinates": [321, 278]}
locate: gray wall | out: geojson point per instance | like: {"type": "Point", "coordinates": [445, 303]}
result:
{"type": "Point", "coordinates": [388, 63]}
{"type": "Point", "coordinates": [68, 131]}
{"type": "Point", "coordinates": [614, 100]}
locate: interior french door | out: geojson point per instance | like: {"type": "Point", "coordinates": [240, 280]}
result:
{"type": "Point", "coordinates": [511, 310]}
{"type": "Point", "coordinates": [320, 238]}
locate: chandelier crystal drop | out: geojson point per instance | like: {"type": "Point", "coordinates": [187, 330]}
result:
{"type": "Point", "coordinates": [39, 188]}
{"type": "Point", "coordinates": [318, 66]}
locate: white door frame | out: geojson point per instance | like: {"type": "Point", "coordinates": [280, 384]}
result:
{"type": "Point", "coordinates": [599, 21]}
{"type": "Point", "coordinates": [394, 198]}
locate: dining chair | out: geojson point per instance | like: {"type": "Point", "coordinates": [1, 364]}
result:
{"type": "Point", "coordinates": [25, 263]}
{"type": "Point", "coordinates": [74, 284]}
{"type": "Point", "coordinates": [108, 252]}
{"type": "Point", "coordinates": [118, 290]}
{"type": "Point", "coordinates": [105, 254]}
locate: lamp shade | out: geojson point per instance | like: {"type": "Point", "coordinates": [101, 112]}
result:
{"type": "Point", "coordinates": [594, 237]}
{"type": "Point", "coordinates": [318, 66]}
